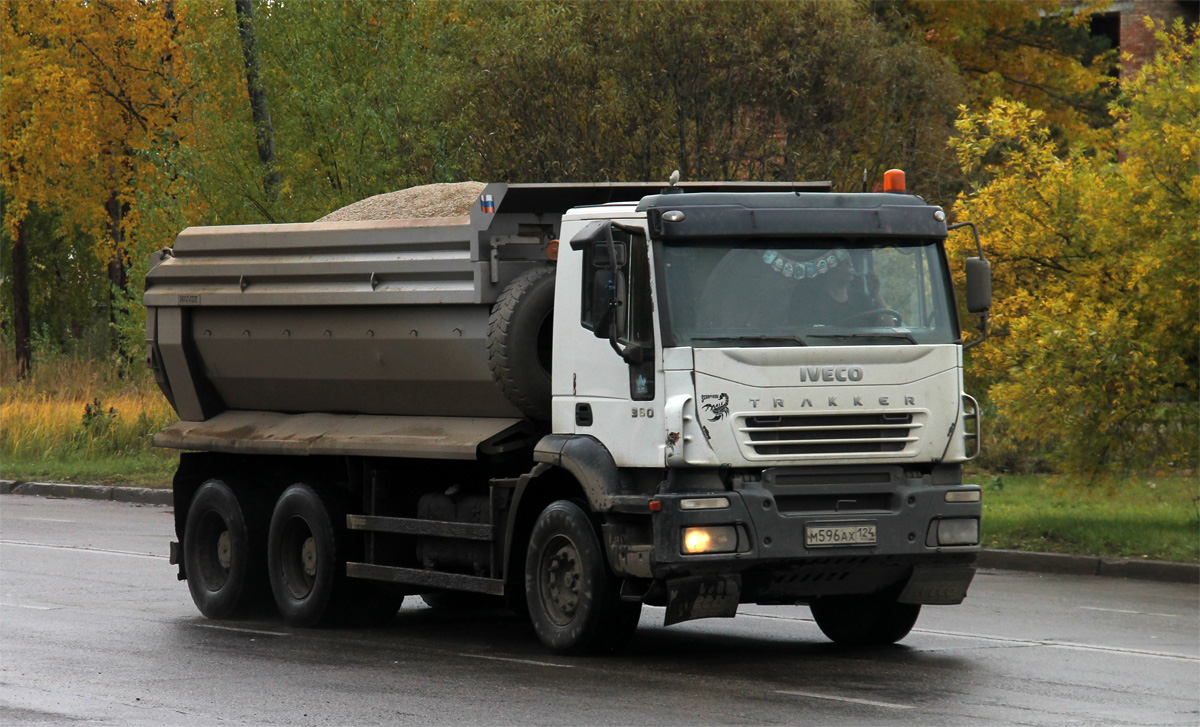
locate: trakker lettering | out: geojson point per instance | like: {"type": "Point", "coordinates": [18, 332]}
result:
{"type": "Point", "coordinates": [830, 373]}
{"type": "Point", "coordinates": [831, 401]}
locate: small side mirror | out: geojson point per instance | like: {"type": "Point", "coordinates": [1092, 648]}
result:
{"type": "Point", "coordinates": [979, 285]}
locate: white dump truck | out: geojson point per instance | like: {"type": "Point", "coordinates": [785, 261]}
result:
{"type": "Point", "coordinates": [708, 394]}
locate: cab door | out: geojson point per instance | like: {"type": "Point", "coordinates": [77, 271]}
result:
{"type": "Point", "coordinates": [606, 369]}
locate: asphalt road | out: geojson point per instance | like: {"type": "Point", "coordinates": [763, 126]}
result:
{"type": "Point", "coordinates": [94, 628]}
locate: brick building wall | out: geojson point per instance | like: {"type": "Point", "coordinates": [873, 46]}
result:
{"type": "Point", "coordinates": [1138, 40]}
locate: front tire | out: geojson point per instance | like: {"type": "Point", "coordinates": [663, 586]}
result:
{"type": "Point", "coordinates": [303, 556]}
{"type": "Point", "coordinates": [873, 620]}
{"type": "Point", "coordinates": [222, 556]}
{"type": "Point", "coordinates": [574, 602]}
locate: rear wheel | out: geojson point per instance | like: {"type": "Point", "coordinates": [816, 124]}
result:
{"type": "Point", "coordinates": [221, 555]}
{"type": "Point", "coordinates": [864, 620]}
{"type": "Point", "coordinates": [574, 602]}
{"type": "Point", "coordinates": [303, 556]}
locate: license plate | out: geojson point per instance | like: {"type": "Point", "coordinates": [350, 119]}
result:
{"type": "Point", "coordinates": [828, 536]}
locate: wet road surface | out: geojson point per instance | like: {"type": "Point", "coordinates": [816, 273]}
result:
{"type": "Point", "coordinates": [94, 628]}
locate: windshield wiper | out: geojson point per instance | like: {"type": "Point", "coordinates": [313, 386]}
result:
{"type": "Point", "coordinates": [884, 334]}
{"type": "Point", "coordinates": [755, 337]}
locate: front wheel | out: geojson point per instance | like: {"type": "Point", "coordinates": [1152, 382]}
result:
{"type": "Point", "coordinates": [574, 601]}
{"type": "Point", "coordinates": [864, 620]}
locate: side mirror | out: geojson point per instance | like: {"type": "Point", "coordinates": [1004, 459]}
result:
{"type": "Point", "coordinates": [979, 285]}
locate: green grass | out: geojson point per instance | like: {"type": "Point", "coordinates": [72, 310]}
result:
{"type": "Point", "coordinates": [1153, 517]}
{"type": "Point", "coordinates": [150, 469]}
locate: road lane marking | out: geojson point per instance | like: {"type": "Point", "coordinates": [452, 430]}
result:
{"type": "Point", "coordinates": [83, 549]}
{"type": "Point", "coordinates": [852, 700]}
{"type": "Point", "coordinates": [518, 661]}
{"type": "Point", "coordinates": [238, 629]}
{"type": "Point", "coordinates": [1020, 642]}
{"type": "Point", "coordinates": [1121, 610]}
{"type": "Point", "coordinates": [4, 604]}
{"type": "Point", "coordinates": [45, 520]}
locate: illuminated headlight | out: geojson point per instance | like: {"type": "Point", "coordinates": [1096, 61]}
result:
{"type": "Point", "coordinates": [710, 539]}
{"type": "Point", "coordinates": [961, 531]}
{"type": "Point", "coordinates": [704, 503]}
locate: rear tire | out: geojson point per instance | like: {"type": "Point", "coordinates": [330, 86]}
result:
{"type": "Point", "coordinates": [222, 555]}
{"type": "Point", "coordinates": [574, 602]}
{"type": "Point", "coordinates": [864, 620]}
{"type": "Point", "coordinates": [304, 559]}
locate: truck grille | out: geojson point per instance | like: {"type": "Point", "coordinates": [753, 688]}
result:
{"type": "Point", "coordinates": [826, 434]}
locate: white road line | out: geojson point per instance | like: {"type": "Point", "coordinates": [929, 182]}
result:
{"type": "Point", "coordinates": [83, 549]}
{"type": "Point", "coordinates": [1021, 642]}
{"type": "Point", "coordinates": [240, 630]}
{"type": "Point", "coordinates": [26, 605]}
{"type": "Point", "coordinates": [1121, 610]}
{"type": "Point", "coordinates": [45, 520]}
{"type": "Point", "coordinates": [852, 700]}
{"type": "Point", "coordinates": [519, 661]}
{"type": "Point", "coordinates": [1064, 645]}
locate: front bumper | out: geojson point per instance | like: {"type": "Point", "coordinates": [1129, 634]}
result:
{"type": "Point", "coordinates": [774, 561]}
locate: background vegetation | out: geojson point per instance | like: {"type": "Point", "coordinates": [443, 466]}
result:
{"type": "Point", "coordinates": [124, 121]}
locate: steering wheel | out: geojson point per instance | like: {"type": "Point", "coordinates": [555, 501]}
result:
{"type": "Point", "coordinates": [897, 319]}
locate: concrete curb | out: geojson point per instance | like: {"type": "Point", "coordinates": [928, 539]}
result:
{"type": "Point", "coordinates": [132, 495]}
{"type": "Point", "coordinates": [1089, 565]}
{"type": "Point", "coordinates": [1145, 570]}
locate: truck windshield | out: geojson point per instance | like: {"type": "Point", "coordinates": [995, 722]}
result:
{"type": "Point", "coordinates": [806, 292]}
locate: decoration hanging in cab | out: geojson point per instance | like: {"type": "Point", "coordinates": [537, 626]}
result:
{"type": "Point", "coordinates": [790, 268]}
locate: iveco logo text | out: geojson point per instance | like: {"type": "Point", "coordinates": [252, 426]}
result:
{"type": "Point", "coordinates": [831, 373]}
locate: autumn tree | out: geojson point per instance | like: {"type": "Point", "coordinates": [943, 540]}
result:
{"type": "Point", "coordinates": [1095, 354]}
{"type": "Point", "coordinates": [1038, 52]}
{"type": "Point", "coordinates": [572, 91]}
{"type": "Point", "coordinates": [89, 90]}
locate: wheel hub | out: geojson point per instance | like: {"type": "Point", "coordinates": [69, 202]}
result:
{"type": "Point", "coordinates": [224, 550]}
{"type": "Point", "coordinates": [308, 553]}
{"type": "Point", "coordinates": [561, 578]}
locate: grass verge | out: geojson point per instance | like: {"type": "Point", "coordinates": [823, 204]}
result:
{"type": "Point", "coordinates": [78, 418]}
{"type": "Point", "coordinates": [1152, 517]}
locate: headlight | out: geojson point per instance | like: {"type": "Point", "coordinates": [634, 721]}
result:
{"type": "Point", "coordinates": [710, 539]}
{"type": "Point", "coordinates": [959, 531]}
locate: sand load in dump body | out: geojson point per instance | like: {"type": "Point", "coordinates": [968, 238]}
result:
{"type": "Point", "coordinates": [382, 317]}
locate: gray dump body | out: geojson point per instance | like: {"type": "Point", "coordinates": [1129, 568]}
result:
{"type": "Point", "coordinates": [373, 317]}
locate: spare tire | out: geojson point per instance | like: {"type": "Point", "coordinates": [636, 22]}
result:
{"type": "Point", "coordinates": [520, 341]}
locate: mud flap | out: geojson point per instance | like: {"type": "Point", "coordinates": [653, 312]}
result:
{"type": "Point", "coordinates": [702, 597]}
{"type": "Point", "coordinates": [176, 558]}
{"type": "Point", "coordinates": [937, 585]}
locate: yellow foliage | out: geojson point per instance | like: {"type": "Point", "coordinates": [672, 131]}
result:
{"type": "Point", "coordinates": [89, 91]}
{"type": "Point", "coordinates": [1095, 259]}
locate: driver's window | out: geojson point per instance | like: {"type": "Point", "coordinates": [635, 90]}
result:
{"type": "Point", "coordinates": [601, 272]}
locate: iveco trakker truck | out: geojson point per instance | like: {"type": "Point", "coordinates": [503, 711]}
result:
{"type": "Point", "coordinates": [581, 398]}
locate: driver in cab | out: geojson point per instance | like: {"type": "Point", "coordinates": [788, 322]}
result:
{"type": "Point", "coordinates": [845, 297]}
